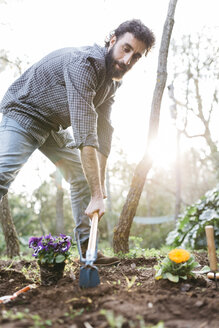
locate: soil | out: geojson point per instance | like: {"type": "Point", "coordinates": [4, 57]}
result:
{"type": "Point", "coordinates": [128, 296]}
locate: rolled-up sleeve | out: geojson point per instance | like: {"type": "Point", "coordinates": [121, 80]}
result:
{"type": "Point", "coordinates": [104, 127]}
{"type": "Point", "coordinates": [82, 78]}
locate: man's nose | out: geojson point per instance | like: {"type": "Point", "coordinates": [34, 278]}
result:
{"type": "Point", "coordinates": [127, 59]}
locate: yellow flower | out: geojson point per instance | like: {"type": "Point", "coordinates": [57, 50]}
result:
{"type": "Point", "coordinates": [179, 255]}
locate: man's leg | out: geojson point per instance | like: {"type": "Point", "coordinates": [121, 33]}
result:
{"type": "Point", "coordinates": [68, 162]}
{"type": "Point", "coordinates": [16, 147]}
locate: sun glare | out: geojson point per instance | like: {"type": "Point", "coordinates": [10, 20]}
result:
{"type": "Point", "coordinates": [162, 153]}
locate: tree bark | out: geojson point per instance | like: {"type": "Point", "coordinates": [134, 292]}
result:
{"type": "Point", "coordinates": [174, 115]}
{"type": "Point", "coordinates": [9, 230]}
{"type": "Point", "coordinates": [178, 177]}
{"type": "Point", "coordinates": [122, 230]}
{"type": "Point", "coordinates": [109, 207]}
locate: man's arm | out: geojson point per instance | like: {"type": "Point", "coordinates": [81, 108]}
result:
{"type": "Point", "coordinates": [102, 163]}
{"type": "Point", "coordinates": [92, 172]}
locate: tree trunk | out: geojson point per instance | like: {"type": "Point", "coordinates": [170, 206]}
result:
{"type": "Point", "coordinates": [174, 115]}
{"type": "Point", "coordinates": [9, 230]}
{"type": "Point", "coordinates": [109, 207]}
{"type": "Point", "coordinates": [122, 230]}
{"type": "Point", "coordinates": [178, 177]}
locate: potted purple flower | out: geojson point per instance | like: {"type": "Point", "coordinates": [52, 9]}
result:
{"type": "Point", "coordinates": [51, 253]}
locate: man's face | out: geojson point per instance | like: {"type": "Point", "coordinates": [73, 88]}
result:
{"type": "Point", "coordinates": [123, 54]}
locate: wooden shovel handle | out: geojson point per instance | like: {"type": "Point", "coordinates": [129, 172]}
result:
{"type": "Point", "coordinates": [93, 233]}
{"type": "Point", "coordinates": [209, 230]}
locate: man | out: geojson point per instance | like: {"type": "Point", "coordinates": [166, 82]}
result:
{"type": "Point", "coordinates": [71, 87]}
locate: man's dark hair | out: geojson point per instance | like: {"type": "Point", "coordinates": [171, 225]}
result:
{"type": "Point", "coordinates": [138, 29]}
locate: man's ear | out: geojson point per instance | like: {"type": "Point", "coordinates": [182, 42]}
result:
{"type": "Point", "coordinates": [112, 41]}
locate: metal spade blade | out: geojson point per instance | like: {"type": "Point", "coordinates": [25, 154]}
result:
{"type": "Point", "coordinates": [89, 277]}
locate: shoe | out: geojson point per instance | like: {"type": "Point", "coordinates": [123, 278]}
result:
{"type": "Point", "coordinates": [101, 260]}
{"type": "Point", "coordinates": [106, 260]}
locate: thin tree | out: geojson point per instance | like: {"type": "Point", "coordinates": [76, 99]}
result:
{"type": "Point", "coordinates": [122, 230]}
{"type": "Point", "coordinates": [8, 227]}
{"type": "Point", "coordinates": [178, 191]}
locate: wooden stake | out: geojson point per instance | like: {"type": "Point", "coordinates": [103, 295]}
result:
{"type": "Point", "coordinates": [211, 248]}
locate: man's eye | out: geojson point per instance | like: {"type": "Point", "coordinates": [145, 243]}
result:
{"type": "Point", "coordinates": [125, 49]}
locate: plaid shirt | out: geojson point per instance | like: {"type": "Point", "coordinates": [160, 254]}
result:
{"type": "Point", "coordinates": [66, 88]}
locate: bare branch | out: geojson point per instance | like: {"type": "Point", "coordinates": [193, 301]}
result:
{"type": "Point", "coordinates": [212, 105]}
{"type": "Point", "coordinates": [193, 136]}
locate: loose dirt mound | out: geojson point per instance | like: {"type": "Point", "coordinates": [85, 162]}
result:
{"type": "Point", "coordinates": [128, 296]}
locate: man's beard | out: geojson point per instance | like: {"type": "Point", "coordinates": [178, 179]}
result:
{"type": "Point", "coordinates": [114, 72]}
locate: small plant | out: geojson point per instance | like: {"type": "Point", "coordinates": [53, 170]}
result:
{"type": "Point", "coordinates": [74, 313]}
{"type": "Point", "coordinates": [31, 273]}
{"type": "Point", "coordinates": [179, 263]}
{"type": "Point", "coordinates": [49, 249]}
{"type": "Point", "coordinates": [37, 321]}
{"type": "Point", "coordinates": [113, 320]}
{"type": "Point", "coordinates": [130, 282]}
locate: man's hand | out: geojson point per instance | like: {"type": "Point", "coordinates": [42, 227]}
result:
{"type": "Point", "coordinates": [95, 205]}
{"type": "Point", "coordinates": [91, 168]}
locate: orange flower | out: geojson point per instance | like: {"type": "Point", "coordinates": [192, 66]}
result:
{"type": "Point", "coordinates": [179, 255]}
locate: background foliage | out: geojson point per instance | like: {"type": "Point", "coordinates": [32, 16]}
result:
{"type": "Point", "coordinates": [190, 228]}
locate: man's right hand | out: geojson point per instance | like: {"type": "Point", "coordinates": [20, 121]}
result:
{"type": "Point", "coordinates": [95, 205]}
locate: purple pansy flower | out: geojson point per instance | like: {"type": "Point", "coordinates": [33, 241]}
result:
{"type": "Point", "coordinates": [47, 247]}
{"type": "Point", "coordinates": [33, 242]}
{"type": "Point", "coordinates": [65, 246]}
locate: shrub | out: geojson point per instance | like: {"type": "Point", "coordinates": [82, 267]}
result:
{"type": "Point", "coordinates": [190, 227]}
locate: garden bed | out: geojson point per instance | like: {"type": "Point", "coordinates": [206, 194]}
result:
{"type": "Point", "coordinates": [128, 296]}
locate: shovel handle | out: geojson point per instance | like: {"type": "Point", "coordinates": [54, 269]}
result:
{"type": "Point", "coordinates": [209, 230]}
{"type": "Point", "coordinates": [93, 233]}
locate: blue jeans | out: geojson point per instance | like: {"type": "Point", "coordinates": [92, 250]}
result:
{"type": "Point", "coordinates": [16, 146]}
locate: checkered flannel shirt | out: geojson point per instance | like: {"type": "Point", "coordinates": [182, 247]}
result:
{"type": "Point", "coordinates": [66, 88]}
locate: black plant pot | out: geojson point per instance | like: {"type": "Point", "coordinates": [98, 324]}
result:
{"type": "Point", "coordinates": [50, 274]}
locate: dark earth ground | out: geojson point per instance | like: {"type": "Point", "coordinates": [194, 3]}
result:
{"type": "Point", "coordinates": [118, 301]}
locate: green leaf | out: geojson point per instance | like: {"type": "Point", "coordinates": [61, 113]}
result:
{"type": "Point", "coordinates": [171, 277]}
{"type": "Point", "coordinates": [60, 258]}
{"type": "Point", "coordinates": [43, 260]}
{"type": "Point", "coordinates": [208, 214]}
{"type": "Point", "coordinates": [205, 269]}
{"type": "Point", "coordinates": [158, 273]}
{"type": "Point", "coordinates": [166, 261]}
{"type": "Point", "coordinates": [48, 322]}
{"type": "Point", "coordinates": [195, 264]}
{"type": "Point", "coordinates": [183, 277]}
